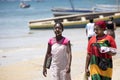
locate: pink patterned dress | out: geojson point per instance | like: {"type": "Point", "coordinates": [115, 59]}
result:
{"type": "Point", "coordinates": [59, 59]}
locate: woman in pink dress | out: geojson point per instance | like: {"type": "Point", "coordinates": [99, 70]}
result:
{"type": "Point", "coordinates": [60, 49]}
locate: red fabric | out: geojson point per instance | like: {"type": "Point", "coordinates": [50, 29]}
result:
{"type": "Point", "coordinates": [63, 41]}
{"type": "Point", "coordinates": [101, 24]}
{"type": "Point", "coordinates": [94, 51]}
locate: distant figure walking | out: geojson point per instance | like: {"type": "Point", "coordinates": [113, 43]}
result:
{"type": "Point", "coordinates": [100, 50]}
{"type": "Point", "coordinates": [111, 27]}
{"type": "Point", "coordinates": [59, 48]}
{"type": "Point", "coordinates": [90, 29]}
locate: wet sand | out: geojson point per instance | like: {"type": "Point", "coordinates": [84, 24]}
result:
{"type": "Point", "coordinates": [31, 69]}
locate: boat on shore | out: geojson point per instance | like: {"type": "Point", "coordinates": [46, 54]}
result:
{"type": "Point", "coordinates": [62, 11]}
{"type": "Point", "coordinates": [97, 9]}
{"type": "Point", "coordinates": [74, 21]}
{"type": "Point", "coordinates": [70, 11]}
{"type": "Point", "coordinates": [78, 10]}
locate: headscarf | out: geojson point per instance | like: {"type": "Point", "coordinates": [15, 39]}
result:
{"type": "Point", "coordinates": [101, 24]}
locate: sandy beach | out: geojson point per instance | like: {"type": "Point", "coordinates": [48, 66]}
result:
{"type": "Point", "coordinates": [31, 69]}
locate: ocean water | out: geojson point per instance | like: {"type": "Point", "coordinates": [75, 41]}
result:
{"type": "Point", "coordinates": [15, 35]}
{"type": "Point", "coordinates": [14, 20]}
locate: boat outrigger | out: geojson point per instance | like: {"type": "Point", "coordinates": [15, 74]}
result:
{"type": "Point", "coordinates": [74, 21]}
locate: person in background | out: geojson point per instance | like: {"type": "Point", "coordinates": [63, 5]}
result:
{"type": "Point", "coordinates": [111, 27]}
{"type": "Point", "coordinates": [59, 47]}
{"type": "Point", "coordinates": [100, 50]}
{"type": "Point", "coordinates": [90, 29]}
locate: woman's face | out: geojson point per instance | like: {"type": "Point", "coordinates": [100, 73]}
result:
{"type": "Point", "coordinates": [99, 31]}
{"type": "Point", "coordinates": [58, 29]}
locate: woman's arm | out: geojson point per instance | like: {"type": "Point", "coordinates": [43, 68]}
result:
{"type": "Point", "coordinates": [48, 53]}
{"type": "Point", "coordinates": [87, 64]}
{"type": "Point", "coordinates": [69, 57]}
{"type": "Point", "coordinates": [111, 53]}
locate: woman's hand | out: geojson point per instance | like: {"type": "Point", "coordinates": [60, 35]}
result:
{"type": "Point", "coordinates": [68, 69]}
{"type": "Point", "coordinates": [45, 72]}
{"type": "Point", "coordinates": [87, 72]}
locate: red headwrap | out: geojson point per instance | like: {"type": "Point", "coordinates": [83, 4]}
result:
{"type": "Point", "coordinates": [101, 24]}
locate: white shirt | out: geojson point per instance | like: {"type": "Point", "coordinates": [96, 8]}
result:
{"type": "Point", "coordinates": [90, 29]}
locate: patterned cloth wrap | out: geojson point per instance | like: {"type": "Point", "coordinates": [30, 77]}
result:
{"type": "Point", "coordinates": [104, 46]}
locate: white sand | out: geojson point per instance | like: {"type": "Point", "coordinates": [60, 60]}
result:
{"type": "Point", "coordinates": [31, 69]}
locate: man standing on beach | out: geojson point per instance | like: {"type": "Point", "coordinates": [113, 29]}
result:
{"type": "Point", "coordinates": [90, 29]}
{"type": "Point", "coordinates": [111, 27]}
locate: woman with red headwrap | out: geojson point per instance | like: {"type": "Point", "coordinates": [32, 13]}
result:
{"type": "Point", "coordinates": [100, 50]}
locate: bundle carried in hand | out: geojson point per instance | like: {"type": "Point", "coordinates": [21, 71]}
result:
{"type": "Point", "coordinates": [104, 49]}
